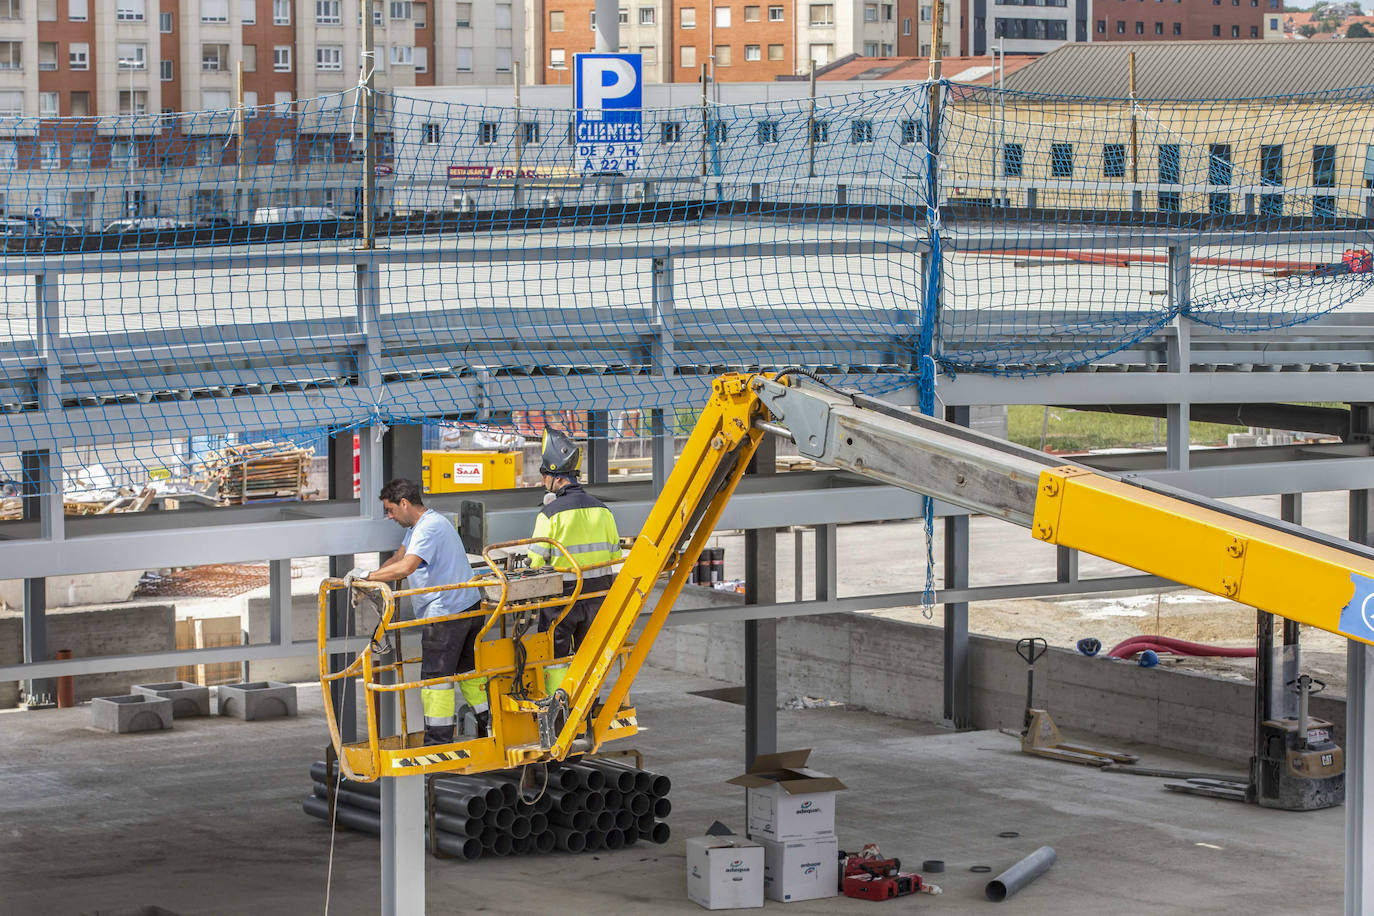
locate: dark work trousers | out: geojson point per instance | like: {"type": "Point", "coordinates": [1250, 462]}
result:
{"type": "Point", "coordinates": [573, 629]}
{"type": "Point", "coordinates": [446, 649]}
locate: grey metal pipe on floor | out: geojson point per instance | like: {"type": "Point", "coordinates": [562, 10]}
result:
{"type": "Point", "coordinates": [367, 822]}
{"type": "Point", "coordinates": [1019, 875]}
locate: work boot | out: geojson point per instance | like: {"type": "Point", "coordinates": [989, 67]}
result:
{"type": "Point", "coordinates": [483, 720]}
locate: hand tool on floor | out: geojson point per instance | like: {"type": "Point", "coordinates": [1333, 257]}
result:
{"type": "Point", "coordinates": [1039, 735]}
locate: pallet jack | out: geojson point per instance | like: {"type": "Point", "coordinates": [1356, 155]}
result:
{"type": "Point", "coordinates": [1039, 735]}
{"type": "Point", "coordinates": [1297, 765]}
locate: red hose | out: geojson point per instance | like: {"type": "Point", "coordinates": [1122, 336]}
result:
{"type": "Point", "coordinates": [1129, 647]}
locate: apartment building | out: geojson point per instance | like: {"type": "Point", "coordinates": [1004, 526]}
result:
{"type": "Point", "coordinates": [80, 58]}
{"type": "Point", "coordinates": [736, 40]}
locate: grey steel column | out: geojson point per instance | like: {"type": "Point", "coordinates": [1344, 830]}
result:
{"type": "Point", "coordinates": [1359, 743]}
{"type": "Point", "coordinates": [664, 449]}
{"type": "Point", "coordinates": [340, 615]}
{"type": "Point", "coordinates": [403, 453]}
{"type": "Point", "coordinates": [958, 693]}
{"type": "Point", "coordinates": [607, 26]}
{"type": "Point", "coordinates": [761, 636]}
{"type": "Point", "coordinates": [827, 563]}
{"type": "Point", "coordinates": [1179, 357]}
{"type": "Point", "coordinates": [37, 479]}
{"type": "Point", "coordinates": [279, 602]}
{"type": "Point", "coordinates": [1066, 564]}
{"type": "Point", "coordinates": [598, 446]}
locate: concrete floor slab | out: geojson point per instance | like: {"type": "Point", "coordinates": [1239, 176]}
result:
{"type": "Point", "coordinates": [206, 819]}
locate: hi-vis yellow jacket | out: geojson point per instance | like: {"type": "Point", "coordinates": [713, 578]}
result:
{"type": "Point", "coordinates": [581, 523]}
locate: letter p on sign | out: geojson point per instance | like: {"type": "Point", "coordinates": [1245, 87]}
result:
{"type": "Point", "coordinates": [608, 81]}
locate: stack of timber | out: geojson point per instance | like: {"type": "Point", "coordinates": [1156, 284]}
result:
{"type": "Point", "coordinates": [258, 472]}
{"type": "Point", "coordinates": [588, 805]}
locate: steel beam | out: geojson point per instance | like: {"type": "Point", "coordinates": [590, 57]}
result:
{"type": "Point", "coordinates": [760, 635]}
{"type": "Point", "coordinates": [172, 658]}
{"type": "Point", "coordinates": [403, 846]}
{"type": "Point", "coordinates": [1072, 388]}
{"type": "Point", "coordinates": [598, 447]}
{"type": "Point", "coordinates": [279, 602]}
{"type": "Point", "coordinates": [958, 691]}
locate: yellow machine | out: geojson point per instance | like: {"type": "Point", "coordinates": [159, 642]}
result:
{"type": "Point", "coordinates": [1273, 566]}
{"type": "Point", "coordinates": [460, 472]}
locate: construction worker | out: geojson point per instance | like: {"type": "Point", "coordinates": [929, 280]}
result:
{"type": "Point", "coordinates": [582, 524]}
{"type": "Point", "coordinates": [431, 553]}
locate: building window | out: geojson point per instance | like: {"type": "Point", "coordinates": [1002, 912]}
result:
{"type": "Point", "coordinates": [722, 17]}
{"type": "Point", "coordinates": [281, 101]}
{"type": "Point", "coordinates": [248, 12]}
{"type": "Point", "coordinates": [1169, 163]}
{"type": "Point", "coordinates": [76, 10]}
{"type": "Point", "coordinates": [1012, 159]}
{"type": "Point", "coordinates": [722, 56]}
{"type": "Point", "coordinates": [328, 58]}
{"type": "Point", "coordinates": [687, 56]}
{"type": "Point", "coordinates": [281, 12]}
{"type": "Point", "coordinates": [281, 58]}
{"type": "Point", "coordinates": [487, 132]}
{"type": "Point", "coordinates": [81, 105]}
{"type": "Point", "coordinates": [767, 132]}
{"type": "Point", "coordinates": [647, 15]}
{"type": "Point", "coordinates": [402, 56]}
{"type": "Point", "coordinates": [1102, 27]}
{"type": "Point", "coordinates": [911, 132]}
{"type": "Point", "coordinates": [1159, 28]}
{"type": "Point", "coordinates": [1169, 202]}
{"type": "Point", "coordinates": [81, 157]}
{"type": "Point", "coordinates": [78, 56]}
{"type": "Point", "coordinates": [529, 131]}
{"type": "Point", "coordinates": [327, 12]}
{"type": "Point", "coordinates": [464, 17]}
{"type": "Point", "coordinates": [1140, 28]}
{"type": "Point", "coordinates": [775, 52]}
{"type": "Point", "coordinates": [1273, 23]}
{"type": "Point", "coordinates": [421, 13]}
{"type": "Point", "coordinates": [861, 131]}
{"type": "Point", "coordinates": [556, 21]}
{"type": "Point", "coordinates": [1271, 165]}
{"type": "Point", "coordinates": [135, 103]}
{"type": "Point", "coordinates": [214, 58]}
{"type": "Point", "coordinates": [401, 10]}
{"type": "Point", "coordinates": [1216, 31]}
{"type": "Point", "coordinates": [1178, 28]}
{"type": "Point", "coordinates": [432, 132]}
{"type": "Point", "coordinates": [47, 104]}
{"type": "Point", "coordinates": [164, 23]}
{"type": "Point", "coordinates": [1219, 164]}
{"type": "Point", "coordinates": [753, 52]}
{"type": "Point", "coordinates": [906, 26]}
{"type": "Point", "coordinates": [421, 59]}
{"type": "Point", "coordinates": [1254, 31]}
{"type": "Point", "coordinates": [1323, 167]}
{"type": "Point", "coordinates": [214, 11]}
{"type": "Point", "coordinates": [50, 155]}
{"type": "Point", "coordinates": [870, 49]}
{"type": "Point", "coordinates": [558, 58]}
{"type": "Point", "coordinates": [821, 54]}
{"type": "Point", "coordinates": [504, 59]}
{"type": "Point", "coordinates": [1114, 160]}
{"type": "Point", "coordinates": [1036, 29]}
{"type": "Point", "coordinates": [870, 12]}
{"type": "Point", "coordinates": [1061, 160]}
{"type": "Point", "coordinates": [129, 10]}
{"type": "Point", "coordinates": [670, 132]}
{"type": "Point", "coordinates": [775, 14]}
{"type": "Point", "coordinates": [820, 132]}
{"type": "Point", "coordinates": [9, 154]}
{"type": "Point", "coordinates": [12, 103]}
{"type": "Point", "coordinates": [687, 17]}
{"type": "Point", "coordinates": [753, 14]}
{"type": "Point", "coordinates": [1235, 31]}
{"type": "Point", "coordinates": [168, 70]}
{"type": "Point", "coordinates": [718, 133]}
{"type": "Point", "coordinates": [1324, 206]}
{"type": "Point", "coordinates": [131, 56]}
{"type": "Point", "coordinates": [822, 14]}
{"type": "Point", "coordinates": [1120, 27]}
{"type": "Point", "coordinates": [1218, 203]}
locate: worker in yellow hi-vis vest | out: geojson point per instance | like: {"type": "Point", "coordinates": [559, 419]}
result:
{"type": "Point", "coordinates": [582, 524]}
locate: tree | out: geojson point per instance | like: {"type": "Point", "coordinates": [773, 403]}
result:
{"type": "Point", "coordinates": [1358, 30]}
{"type": "Point", "coordinates": [1307, 30]}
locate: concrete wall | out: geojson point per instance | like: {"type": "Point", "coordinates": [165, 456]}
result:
{"type": "Point", "coordinates": [95, 631]}
{"type": "Point", "coordinates": [896, 668]}
{"type": "Point", "coordinates": [304, 617]}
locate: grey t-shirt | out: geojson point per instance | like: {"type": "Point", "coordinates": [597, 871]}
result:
{"type": "Point", "coordinates": [443, 561]}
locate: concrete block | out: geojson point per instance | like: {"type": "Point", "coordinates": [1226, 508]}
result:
{"type": "Point", "coordinates": [137, 712]}
{"type": "Point", "coordinates": [257, 700]}
{"type": "Point", "coordinates": [187, 699]}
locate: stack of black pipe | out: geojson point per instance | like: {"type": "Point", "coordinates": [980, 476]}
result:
{"type": "Point", "coordinates": [587, 805]}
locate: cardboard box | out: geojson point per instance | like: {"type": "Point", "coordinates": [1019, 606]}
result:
{"type": "Point", "coordinates": [801, 869]}
{"type": "Point", "coordinates": [787, 801]}
{"type": "Point", "coordinates": [724, 872]}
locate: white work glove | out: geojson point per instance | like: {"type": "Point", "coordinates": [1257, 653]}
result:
{"type": "Point", "coordinates": [356, 572]}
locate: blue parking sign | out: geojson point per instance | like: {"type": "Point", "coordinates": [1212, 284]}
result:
{"type": "Point", "coordinates": [608, 91]}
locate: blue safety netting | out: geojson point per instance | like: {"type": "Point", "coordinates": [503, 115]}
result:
{"type": "Point", "coordinates": [236, 274]}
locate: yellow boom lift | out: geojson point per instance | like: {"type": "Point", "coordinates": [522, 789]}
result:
{"type": "Point", "coordinates": [1270, 565]}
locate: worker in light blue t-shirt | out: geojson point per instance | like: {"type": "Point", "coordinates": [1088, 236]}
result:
{"type": "Point", "coordinates": [431, 553]}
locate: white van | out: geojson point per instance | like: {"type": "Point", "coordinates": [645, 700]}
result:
{"type": "Point", "coordinates": [294, 214]}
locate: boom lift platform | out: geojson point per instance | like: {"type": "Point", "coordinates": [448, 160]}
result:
{"type": "Point", "coordinates": [1274, 566]}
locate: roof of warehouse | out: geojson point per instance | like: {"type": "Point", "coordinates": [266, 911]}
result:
{"type": "Point", "coordinates": [1199, 69]}
{"type": "Point", "coordinates": [981, 70]}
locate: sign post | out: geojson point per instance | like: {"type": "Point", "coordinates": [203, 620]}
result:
{"type": "Point", "coordinates": [608, 93]}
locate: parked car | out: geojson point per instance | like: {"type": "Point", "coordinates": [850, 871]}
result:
{"type": "Point", "coordinates": [142, 224]}
{"type": "Point", "coordinates": [264, 215]}
{"type": "Point", "coordinates": [208, 222]}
